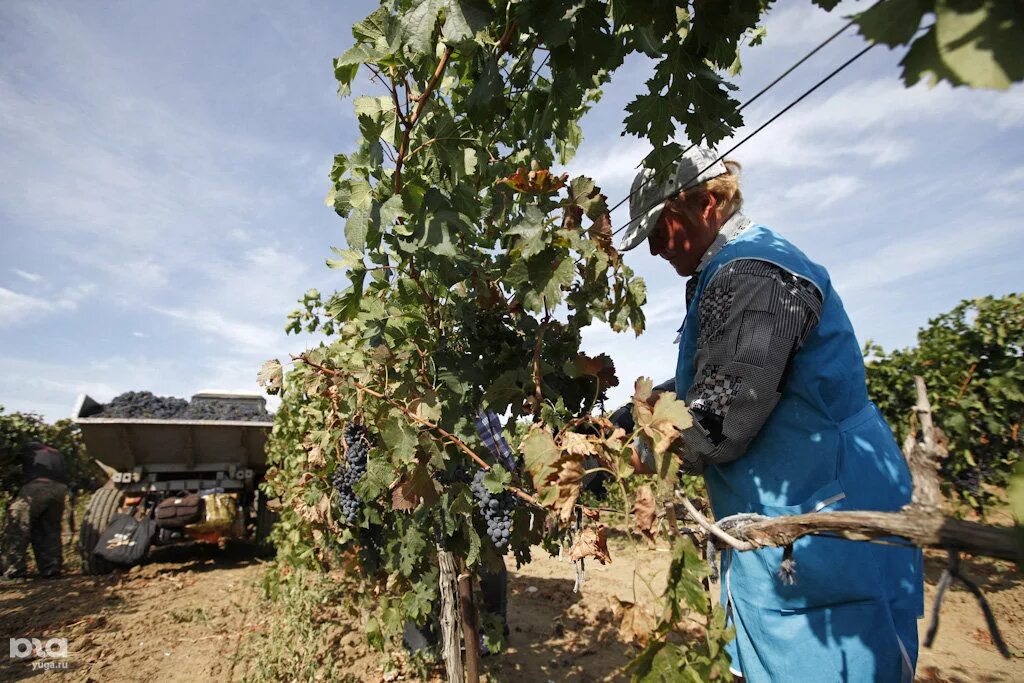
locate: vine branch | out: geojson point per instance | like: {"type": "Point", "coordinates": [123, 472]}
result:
{"type": "Point", "coordinates": [410, 122]}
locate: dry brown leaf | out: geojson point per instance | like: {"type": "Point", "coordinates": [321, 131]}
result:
{"type": "Point", "coordinates": [635, 623]}
{"type": "Point", "coordinates": [600, 366]}
{"type": "Point", "coordinates": [592, 514]}
{"type": "Point", "coordinates": [536, 181]}
{"type": "Point", "coordinates": [645, 512]}
{"type": "Point", "coordinates": [592, 542]}
{"type": "Point", "coordinates": [601, 232]}
{"type": "Point", "coordinates": [414, 487]}
{"type": "Point", "coordinates": [577, 444]}
{"type": "Point", "coordinates": [316, 514]}
{"type": "Point", "coordinates": [567, 483]}
{"type": "Point", "coordinates": [315, 457]}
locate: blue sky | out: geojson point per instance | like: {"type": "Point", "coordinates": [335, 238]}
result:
{"type": "Point", "coordinates": [163, 168]}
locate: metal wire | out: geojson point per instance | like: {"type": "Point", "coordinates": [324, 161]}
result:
{"type": "Point", "coordinates": [729, 151]}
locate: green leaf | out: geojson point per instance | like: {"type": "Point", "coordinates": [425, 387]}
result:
{"type": "Point", "coordinates": [486, 98]}
{"type": "Point", "coordinates": [893, 22]}
{"type": "Point", "coordinates": [540, 454]}
{"type": "Point", "coordinates": [356, 228]}
{"type": "Point", "coordinates": [463, 18]}
{"type": "Point", "coordinates": [373, 634]}
{"type": "Point", "coordinates": [376, 109]}
{"type": "Point", "coordinates": [473, 554]}
{"type": "Point", "coordinates": [356, 55]}
{"type": "Point", "coordinates": [379, 475]}
{"type": "Point", "coordinates": [650, 116]}
{"type": "Point", "coordinates": [530, 230]}
{"type": "Point", "coordinates": [503, 391]}
{"type": "Point", "coordinates": [588, 197]}
{"type": "Point", "coordinates": [348, 258]}
{"type": "Point", "coordinates": [413, 545]}
{"type": "Point", "coordinates": [399, 438]}
{"type": "Point", "coordinates": [975, 43]}
{"type": "Point", "coordinates": [345, 74]}
{"type": "Point", "coordinates": [981, 41]}
{"type": "Point", "coordinates": [497, 479]}
{"type": "Point", "coordinates": [416, 26]}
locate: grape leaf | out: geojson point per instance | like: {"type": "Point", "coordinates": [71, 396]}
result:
{"type": "Point", "coordinates": [575, 443]}
{"type": "Point", "coordinates": [591, 542]}
{"type": "Point", "coordinates": [399, 438]}
{"type": "Point", "coordinates": [413, 488]}
{"type": "Point", "coordinates": [635, 623]}
{"type": "Point", "coordinates": [497, 479]}
{"type": "Point", "coordinates": [530, 230]}
{"type": "Point", "coordinates": [645, 512]}
{"type": "Point", "coordinates": [538, 181]}
{"type": "Point", "coordinates": [893, 22]}
{"type": "Point", "coordinates": [540, 454]}
{"type": "Point", "coordinates": [411, 549]}
{"type": "Point", "coordinates": [271, 376]}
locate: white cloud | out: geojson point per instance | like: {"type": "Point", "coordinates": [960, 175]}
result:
{"type": "Point", "coordinates": [248, 336]}
{"type": "Point", "coordinates": [16, 307]}
{"type": "Point", "coordinates": [867, 122]}
{"type": "Point", "coordinates": [1006, 188]}
{"type": "Point", "coordinates": [917, 255]}
{"type": "Point", "coordinates": [31, 277]}
{"type": "Point", "coordinates": [822, 192]}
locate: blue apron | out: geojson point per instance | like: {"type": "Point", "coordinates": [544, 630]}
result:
{"type": "Point", "coordinates": [851, 615]}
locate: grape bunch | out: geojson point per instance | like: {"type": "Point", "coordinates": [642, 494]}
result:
{"type": "Point", "coordinates": [143, 404]}
{"type": "Point", "coordinates": [346, 474]}
{"type": "Point", "coordinates": [496, 509]}
{"type": "Point", "coordinates": [224, 410]}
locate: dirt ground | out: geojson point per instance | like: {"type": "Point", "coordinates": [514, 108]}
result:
{"type": "Point", "coordinates": [183, 615]}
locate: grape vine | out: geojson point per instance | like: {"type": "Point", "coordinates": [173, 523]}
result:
{"type": "Point", "coordinates": [472, 268]}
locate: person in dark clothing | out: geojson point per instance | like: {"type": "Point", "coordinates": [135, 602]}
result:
{"type": "Point", "coordinates": [35, 514]}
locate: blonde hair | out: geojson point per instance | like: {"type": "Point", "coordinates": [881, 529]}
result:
{"type": "Point", "coordinates": [725, 188]}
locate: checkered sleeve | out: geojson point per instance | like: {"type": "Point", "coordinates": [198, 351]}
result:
{"type": "Point", "coordinates": [754, 317]}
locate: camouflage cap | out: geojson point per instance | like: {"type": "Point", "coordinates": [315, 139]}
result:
{"type": "Point", "coordinates": [698, 165]}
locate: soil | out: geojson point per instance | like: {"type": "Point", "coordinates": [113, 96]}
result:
{"type": "Point", "coordinates": [183, 615]}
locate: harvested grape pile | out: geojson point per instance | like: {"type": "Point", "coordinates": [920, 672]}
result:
{"type": "Point", "coordinates": [144, 404]}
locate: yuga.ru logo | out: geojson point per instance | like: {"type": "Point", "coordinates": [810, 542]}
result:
{"type": "Point", "coordinates": [46, 653]}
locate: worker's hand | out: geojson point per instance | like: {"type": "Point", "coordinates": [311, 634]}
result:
{"type": "Point", "coordinates": [642, 457]}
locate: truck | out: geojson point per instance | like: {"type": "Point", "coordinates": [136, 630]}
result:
{"type": "Point", "coordinates": [149, 459]}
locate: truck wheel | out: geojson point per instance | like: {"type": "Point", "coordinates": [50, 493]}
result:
{"type": "Point", "coordinates": [265, 520]}
{"type": "Point", "coordinates": [102, 506]}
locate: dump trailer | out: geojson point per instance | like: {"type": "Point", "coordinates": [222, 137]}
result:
{"type": "Point", "coordinates": [149, 460]}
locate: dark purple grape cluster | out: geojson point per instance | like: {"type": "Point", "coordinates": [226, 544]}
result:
{"type": "Point", "coordinates": [496, 509]}
{"type": "Point", "coordinates": [224, 410]}
{"type": "Point", "coordinates": [143, 404]}
{"type": "Point", "coordinates": [357, 448]}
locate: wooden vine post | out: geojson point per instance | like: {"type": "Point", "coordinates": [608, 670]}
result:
{"type": "Point", "coordinates": [470, 632]}
{"type": "Point", "coordinates": [448, 581]}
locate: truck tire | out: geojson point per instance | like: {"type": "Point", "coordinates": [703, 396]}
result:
{"type": "Point", "coordinates": [265, 520]}
{"type": "Point", "coordinates": [102, 506]}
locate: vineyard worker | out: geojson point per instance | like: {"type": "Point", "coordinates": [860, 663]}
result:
{"type": "Point", "coordinates": [773, 375]}
{"type": "Point", "coordinates": [35, 514]}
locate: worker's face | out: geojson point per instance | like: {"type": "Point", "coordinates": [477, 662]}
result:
{"type": "Point", "coordinates": [682, 238]}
